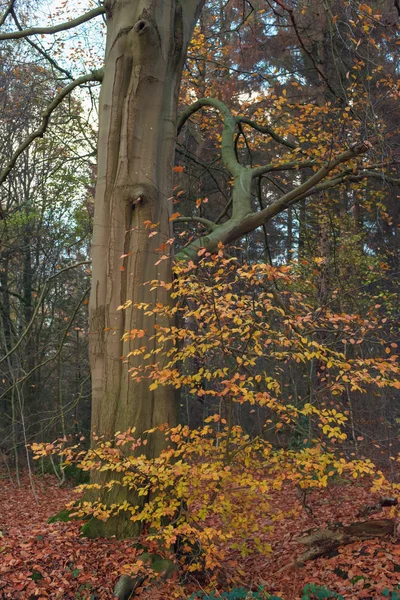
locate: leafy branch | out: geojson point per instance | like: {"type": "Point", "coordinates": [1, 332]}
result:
{"type": "Point", "coordinates": [243, 219]}
{"type": "Point", "coordinates": [45, 55]}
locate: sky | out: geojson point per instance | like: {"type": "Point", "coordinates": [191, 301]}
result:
{"type": "Point", "coordinates": [83, 47]}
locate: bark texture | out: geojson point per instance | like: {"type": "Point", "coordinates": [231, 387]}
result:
{"type": "Point", "coordinates": [324, 541]}
{"type": "Point", "coordinates": [145, 52]}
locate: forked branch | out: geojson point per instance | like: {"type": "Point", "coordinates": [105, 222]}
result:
{"type": "Point", "coordinates": [267, 130]}
{"type": "Point", "coordinates": [243, 218]}
{"type": "Point", "coordinates": [7, 12]}
{"type": "Point", "coordinates": [45, 55]}
{"type": "Point", "coordinates": [40, 131]}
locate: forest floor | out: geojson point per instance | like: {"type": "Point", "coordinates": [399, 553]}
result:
{"type": "Point", "coordinates": [40, 560]}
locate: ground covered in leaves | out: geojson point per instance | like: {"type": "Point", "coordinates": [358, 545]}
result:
{"type": "Point", "coordinates": [40, 560]}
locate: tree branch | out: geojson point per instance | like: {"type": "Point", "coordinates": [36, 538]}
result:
{"type": "Point", "coordinates": [15, 35]}
{"type": "Point", "coordinates": [298, 193]}
{"type": "Point", "coordinates": [206, 222]}
{"type": "Point", "coordinates": [228, 155]}
{"type": "Point", "coordinates": [243, 220]}
{"type": "Point", "coordinates": [7, 12]}
{"type": "Point", "coordinates": [224, 212]}
{"type": "Point", "coordinates": [39, 132]}
{"type": "Point", "coordinates": [377, 175]}
{"type": "Point", "coordinates": [347, 175]}
{"type": "Point", "coordinates": [293, 164]}
{"type": "Point", "coordinates": [39, 49]}
{"type": "Point", "coordinates": [229, 68]}
{"type": "Point", "coordinates": [38, 304]}
{"type": "Point", "coordinates": [268, 130]}
{"type": "Point", "coordinates": [229, 125]}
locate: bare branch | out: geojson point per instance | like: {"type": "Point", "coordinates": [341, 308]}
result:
{"type": "Point", "coordinates": [40, 50]}
{"type": "Point", "coordinates": [299, 192]}
{"type": "Point", "coordinates": [345, 176]}
{"type": "Point", "coordinates": [224, 211]}
{"type": "Point", "coordinates": [229, 68]}
{"type": "Point", "coordinates": [289, 166]}
{"type": "Point", "coordinates": [206, 222]}
{"type": "Point", "coordinates": [209, 168]}
{"type": "Point", "coordinates": [379, 175]}
{"type": "Point", "coordinates": [38, 305]}
{"type": "Point", "coordinates": [7, 12]}
{"type": "Point", "coordinates": [16, 35]}
{"type": "Point", "coordinates": [268, 130]}
{"type": "Point", "coordinates": [39, 132]}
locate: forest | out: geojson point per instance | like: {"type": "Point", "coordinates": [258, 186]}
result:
{"type": "Point", "coordinates": [199, 299]}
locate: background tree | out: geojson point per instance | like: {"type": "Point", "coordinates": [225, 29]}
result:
{"type": "Point", "coordinates": [44, 229]}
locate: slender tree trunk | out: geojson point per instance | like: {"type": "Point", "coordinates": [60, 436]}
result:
{"type": "Point", "coordinates": [30, 349]}
{"type": "Point", "coordinates": [289, 234]}
{"type": "Point", "coordinates": [302, 228]}
{"type": "Point", "coordinates": [6, 332]}
{"type": "Point", "coordinates": [145, 53]}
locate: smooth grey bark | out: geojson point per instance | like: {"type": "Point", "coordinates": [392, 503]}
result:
{"type": "Point", "coordinates": [145, 51]}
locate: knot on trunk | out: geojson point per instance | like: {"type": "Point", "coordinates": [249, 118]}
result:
{"type": "Point", "coordinates": [147, 33]}
{"type": "Point", "coordinates": [141, 26]}
{"type": "Point", "coordinates": [135, 193]}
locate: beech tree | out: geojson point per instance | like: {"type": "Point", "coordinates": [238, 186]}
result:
{"type": "Point", "coordinates": [146, 47]}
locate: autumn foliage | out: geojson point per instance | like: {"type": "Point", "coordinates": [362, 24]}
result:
{"type": "Point", "coordinates": [209, 492]}
{"type": "Point", "coordinates": [284, 365]}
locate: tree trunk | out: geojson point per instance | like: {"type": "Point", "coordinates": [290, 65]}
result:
{"type": "Point", "coordinates": [145, 52]}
